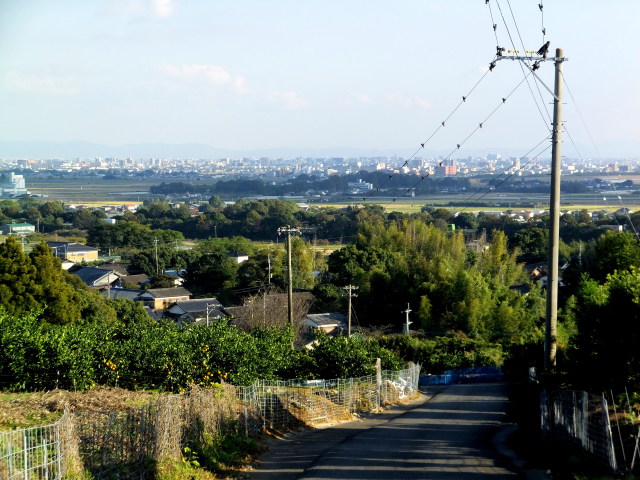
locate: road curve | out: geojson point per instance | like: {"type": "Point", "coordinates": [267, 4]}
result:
{"type": "Point", "coordinates": [446, 438]}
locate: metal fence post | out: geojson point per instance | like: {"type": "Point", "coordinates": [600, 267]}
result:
{"type": "Point", "coordinates": [378, 381]}
{"type": "Point", "coordinates": [25, 444]}
{"type": "Point", "coordinates": [609, 435]}
{"type": "Point", "coordinates": [59, 451]}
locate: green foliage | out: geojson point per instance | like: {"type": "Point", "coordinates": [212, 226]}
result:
{"type": "Point", "coordinates": [135, 352]}
{"type": "Point", "coordinates": [445, 353]}
{"type": "Point", "coordinates": [449, 289]}
{"type": "Point", "coordinates": [129, 234]}
{"type": "Point", "coordinates": [219, 453]}
{"type": "Point", "coordinates": [17, 279]}
{"type": "Point", "coordinates": [533, 243]}
{"type": "Point", "coordinates": [36, 282]}
{"type": "Point", "coordinates": [211, 274]}
{"type": "Point", "coordinates": [342, 357]}
{"type": "Point", "coordinates": [607, 315]}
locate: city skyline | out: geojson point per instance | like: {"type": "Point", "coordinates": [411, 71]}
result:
{"type": "Point", "coordinates": [367, 77]}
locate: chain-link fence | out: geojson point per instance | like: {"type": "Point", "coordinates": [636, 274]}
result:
{"type": "Point", "coordinates": [129, 444]}
{"type": "Point", "coordinates": [582, 419]}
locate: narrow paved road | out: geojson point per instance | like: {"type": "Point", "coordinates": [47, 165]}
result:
{"type": "Point", "coordinates": [446, 438]}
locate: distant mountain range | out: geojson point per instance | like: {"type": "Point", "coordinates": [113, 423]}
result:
{"type": "Point", "coordinates": [85, 150]}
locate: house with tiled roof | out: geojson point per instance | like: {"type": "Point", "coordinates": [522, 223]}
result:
{"type": "Point", "coordinates": [161, 298]}
{"type": "Point", "coordinates": [198, 310]}
{"type": "Point", "coordinates": [97, 277]}
{"type": "Point", "coordinates": [126, 293]}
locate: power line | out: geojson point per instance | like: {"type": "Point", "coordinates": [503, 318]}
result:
{"type": "Point", "coordinates": [513, 45]}
{"type": "Point", "coordinates": [442, 124]}
{"type": "Point", "coordinates": [593, 143]}
{"type": "Point", "coordinates": [490, 187]}
{"type": "Point", "coordinates": [458, 145]}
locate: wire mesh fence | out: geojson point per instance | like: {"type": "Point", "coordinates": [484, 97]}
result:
{"type": "Point", "coordinates": [277, 404]}
{"type": "Point", "coordinates": [129, 444]}
{"type": "Point", "coordinates": [32, 453]}
{"type": "Point", "coordinates": [581, 419]}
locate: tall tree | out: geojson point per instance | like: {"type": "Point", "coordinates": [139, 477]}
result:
{"type": "Point", "coordinates": [17, 279]}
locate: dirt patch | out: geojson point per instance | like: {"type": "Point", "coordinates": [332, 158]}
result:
{"type": "Point", "coordinates": [19, 410]}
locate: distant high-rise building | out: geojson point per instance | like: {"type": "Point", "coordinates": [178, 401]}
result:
{"type": "Point", "coordinates": [447, 167]}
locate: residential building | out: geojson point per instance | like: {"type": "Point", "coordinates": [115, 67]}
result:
{"type": "Point", "coordinates": [161, 298]}
{"type": "Point", "coordinates": [74, 252]}
{"type": "Point", "coordinates": [98, 277]}
{"type": "Point", "coordinates": [200, 310]}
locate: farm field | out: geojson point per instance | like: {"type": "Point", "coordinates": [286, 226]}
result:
{"type": "Point", "coordinates": [96, 191]}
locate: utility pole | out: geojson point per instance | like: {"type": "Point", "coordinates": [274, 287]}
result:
{"type": "Point", "coordinates": [155, 240]}
{"type": "Point", "coordinates": [288, 230]}
{"type": "Point", "coordinates": [407, 322]}
{"type": "Point", "coordinates": [551, 324]}
{"type": "Point", "coordinates": [269, 270]}
{"type": "Point", "coordinates": [350, 289]}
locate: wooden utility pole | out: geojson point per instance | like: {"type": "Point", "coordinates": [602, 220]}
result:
{"type": "Point", "coordinates": [155, 240]}
{"type": "Point", "coordinates": [550, 342]}
{"type": "Point", "coordinates": [288, 230]}
{"type": "Point", "coordinates": [350, 289]}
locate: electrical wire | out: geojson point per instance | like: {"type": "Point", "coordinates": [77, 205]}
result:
{"type": "Point", "coordinates": [490, 185]}
{"type": "Point", "coordinates": [494, 24]}
{"type": "Point", "coordinates": [543, 28]}
{"type": "Point", "coordinates": [442, 124]}
{"type": "Point", "coordinates": [458, 145]}
{"type": "Point", "coordinates": [422, 145]}
{"type": "Point", "coordinates": [513, 45]}
{"type": "Point", "coordinates": [624, 208]}
{"type": "Point", "coordinates": [491, 188]}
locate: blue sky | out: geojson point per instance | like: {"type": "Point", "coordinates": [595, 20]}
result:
{"type": "Point", "coordinates": [311, 74]}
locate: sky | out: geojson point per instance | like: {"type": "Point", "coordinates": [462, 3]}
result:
{"type": "Point", "coordinates": [374, 75]}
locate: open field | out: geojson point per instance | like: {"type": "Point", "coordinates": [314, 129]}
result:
{"type": "Point", "coordinates": [96, 191]}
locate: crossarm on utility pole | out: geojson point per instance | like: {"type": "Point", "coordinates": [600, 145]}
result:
{"type": "Point", "coordinates": [524, 61]}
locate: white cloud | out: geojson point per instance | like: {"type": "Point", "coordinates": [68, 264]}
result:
{"type": "Point", "coordinates": [47, 84]}
{"type": "Point", "coordinates": [240, 85]}
{"type": "Point", "coordinates": [289, 100]}
{"type": "Point", "coordinates": [162, 8]}
{"type": "Point", "coordinates": [422, 103]}
{"type": "Point", "coordinates": [407, 101]}
{"type": "Point", "coordinates": [139, 9]}
{"type": "Point", "coordinates": [362, 97]}
{"type": "Point", "coordinates": [210, 74]}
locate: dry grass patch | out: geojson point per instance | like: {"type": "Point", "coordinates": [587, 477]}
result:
{"type": "Point", "coordinates": [19, 410]}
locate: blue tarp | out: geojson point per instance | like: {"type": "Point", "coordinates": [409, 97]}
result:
{"type": "Point", "coordinates": [464, 375]}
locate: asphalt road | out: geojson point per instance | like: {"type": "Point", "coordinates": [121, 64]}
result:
{"type": "Point", "coordinates": [447, 437]}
